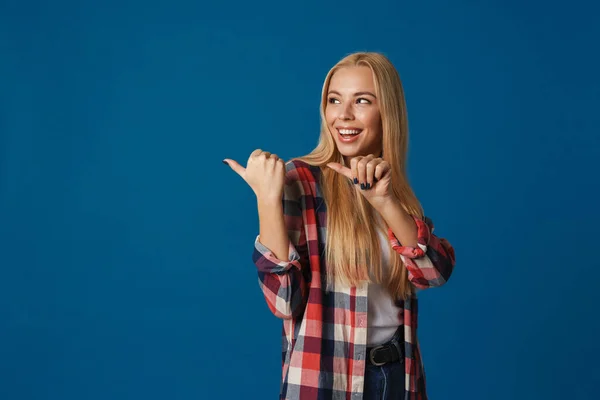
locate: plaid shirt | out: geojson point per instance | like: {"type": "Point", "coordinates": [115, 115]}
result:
{"type": "Point", "coordinates": [325, 332]}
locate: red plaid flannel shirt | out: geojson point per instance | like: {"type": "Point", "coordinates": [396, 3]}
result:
{"type": "Point", "coordinates": [325, 332]}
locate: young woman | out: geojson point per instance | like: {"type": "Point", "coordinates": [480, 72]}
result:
{"type": "Point", "coordinates": [341, 258]}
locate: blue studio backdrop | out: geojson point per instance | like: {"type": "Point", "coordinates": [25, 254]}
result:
{"type": "Point", "coordinates": [125, 243]}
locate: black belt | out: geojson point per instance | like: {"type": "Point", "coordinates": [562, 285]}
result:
{"type": "Point", "coordinates": [389, 352]}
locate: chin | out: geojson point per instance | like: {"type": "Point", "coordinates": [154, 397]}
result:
{"type": "Point", "coordinates": [352, 152]}
{"type": "Point", "coordinates": [348, 153]}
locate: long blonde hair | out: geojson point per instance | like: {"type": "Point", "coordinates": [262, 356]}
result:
{"type": "Point", "coordinates": [352, 240]}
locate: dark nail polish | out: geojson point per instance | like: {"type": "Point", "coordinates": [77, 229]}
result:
{"type": "Point", "coordinates": [362, 186]}
{"type": "Point", "coordinates": [375, 180]}
{"type": "Point", "coordinates": [368, 186]}
{"type": "Point", "coordinates": [225, 162]}
{"type": "Point", "coordinates": [355, 181]}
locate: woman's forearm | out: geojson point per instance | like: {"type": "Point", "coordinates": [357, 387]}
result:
{"type": "Point", "coordinates": [401, 223]}
{"type": "Point", "coordinates": [273, 232]}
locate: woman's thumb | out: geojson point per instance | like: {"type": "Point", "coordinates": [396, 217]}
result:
{"type": "Point", "coordinates": [235, 166]}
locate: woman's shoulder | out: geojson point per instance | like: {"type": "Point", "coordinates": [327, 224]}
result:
{"type": "Point", "coordinates": [301, 170]}
{"type": "Point", "coordinates": [303, 180]}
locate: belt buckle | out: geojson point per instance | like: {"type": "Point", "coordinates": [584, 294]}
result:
{"type": "Point", "coordinates": [378, 364]}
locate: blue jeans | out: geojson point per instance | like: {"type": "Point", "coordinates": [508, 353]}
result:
{"type": "Point", "coordinates": [385, 382]}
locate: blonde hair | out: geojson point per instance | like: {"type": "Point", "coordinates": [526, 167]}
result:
{"type": "Point", "coordinates": [352, 243]}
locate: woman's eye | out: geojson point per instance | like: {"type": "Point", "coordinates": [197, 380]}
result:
{"type": "Point", "coordinates": [362, 100]}
{"type": "Point", "coordinates": [333, 100]}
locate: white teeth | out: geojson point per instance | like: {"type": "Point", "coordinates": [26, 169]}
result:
{"type": "Point", "coordinates": [349, 131]}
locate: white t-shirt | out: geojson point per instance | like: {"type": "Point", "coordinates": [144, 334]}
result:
{"type": "Point", "coordinates": [383, 316]}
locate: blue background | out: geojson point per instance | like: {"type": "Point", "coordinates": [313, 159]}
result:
{"type": "Point", "coordinates": [125, 243]}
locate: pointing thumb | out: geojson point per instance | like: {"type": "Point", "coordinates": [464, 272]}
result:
{"type": "Point", "coordinates": [235, 166]}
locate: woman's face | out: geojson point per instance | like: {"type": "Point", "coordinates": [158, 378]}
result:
{"type": "Point", "coordinates": [352, 112]}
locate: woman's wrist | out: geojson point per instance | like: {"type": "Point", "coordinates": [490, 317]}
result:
{"type": "Point", "coordinates": [268, 201]}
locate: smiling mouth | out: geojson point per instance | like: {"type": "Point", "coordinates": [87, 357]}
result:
{"type": "Point", "coordinates": [348, 133]}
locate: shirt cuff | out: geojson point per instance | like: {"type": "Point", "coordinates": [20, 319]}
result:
{"type": "Point", "coordinates": [267, 262]}
{"type": "Point", "coordinates": [424, 230]}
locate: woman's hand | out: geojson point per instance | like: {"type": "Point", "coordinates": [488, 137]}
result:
{"type": "Point", "coordinates": [264, 173]}
{"type": "Point", "coordinates": [372, 177]}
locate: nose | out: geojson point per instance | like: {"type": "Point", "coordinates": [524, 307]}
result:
{"type": "Point", "coordinates": [346, 112]}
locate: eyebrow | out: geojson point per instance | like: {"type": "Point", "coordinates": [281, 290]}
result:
{"type": "Point", "coordinates": [355, 94]}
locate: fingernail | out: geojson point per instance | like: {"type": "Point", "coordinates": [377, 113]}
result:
{"type": "Point", "coordinates": [362, 186]}
{"type": "Point", "coordinates": [368, 186]}
{"type": "Point", "coordinates": [225, 162]}
{"type": "Point", "coordinates": [355, 181]}
{"type": "Point", "coordinates": [375, 180]}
